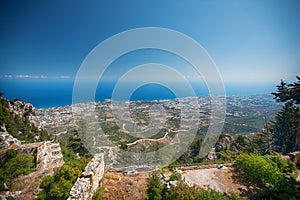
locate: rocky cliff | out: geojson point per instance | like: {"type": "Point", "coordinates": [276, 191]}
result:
{"type": "Point", "coordinates": [6, 139]}
{"type": "Point", "coordinates": [23, 109]}
{"type": "Point", "coordinates": [19, 120]}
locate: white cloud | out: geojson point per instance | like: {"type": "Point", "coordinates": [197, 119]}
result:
{"type": "Point", "coordinates": [62, 77]}
{"type": "Point", "coordinates": [26, 76]}
{"type": "Point", "coordinates": [30, 76]}
{"type": "Point", "coordinates": [6, 76]}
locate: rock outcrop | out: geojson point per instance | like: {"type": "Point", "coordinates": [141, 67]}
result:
{"type": "Point", "coordinates": [212, 154]}
{"type": "Point", "coordinates": [11, 195]}
{"type": "Point", "coordinates": [89, 180]}
{"type": "Point", "coordinates": [295, 157]}
{"type": "Point", "coordinates": [6, 139]}
{"type": "Point", "coordinates": [225, 142]}
{"type": "Point", "coordinates": [23, 109]}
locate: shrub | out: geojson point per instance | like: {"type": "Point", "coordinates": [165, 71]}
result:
{"type": "Point", "coordinates": [184, 192]}
{"type": "Point", "coordinates": [98, 195]}
{"type": "Point", "coordinates": [175, 176]}
{"type": "Point", "coordinates": [108, 176]}
{"type": "Point", "coordinates": [11, 153]}
{"type": "Point", "coordinates": [59, 185]}
{"type": "Point", "coordinates": [284, 166]}
{"type": "Point", "coordinates": [21, 164]}
{"type": "Point", "coordinates": [269, 169]}
{"type": "Point", "coordinates": [68, 154]}
{"type": "Point", "coordinates": [258, 169]}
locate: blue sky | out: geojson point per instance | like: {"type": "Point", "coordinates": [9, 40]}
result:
{"type": "Point", "coordinates": [250, 41]}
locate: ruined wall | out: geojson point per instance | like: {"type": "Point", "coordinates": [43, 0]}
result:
{"type": "Point", "coordinates": [49, 157]}
{"type": "Point", "coordinates": [23, 149]}
{"type": "Point", "coordinates": [89, 180]}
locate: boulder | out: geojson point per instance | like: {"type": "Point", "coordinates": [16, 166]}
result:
{"type": "Point", "coordinates": [224, 143]}
{"type": "Point", "coordinates": [212, 155]}
{"type": "Point", "coordinates": [295, 158]}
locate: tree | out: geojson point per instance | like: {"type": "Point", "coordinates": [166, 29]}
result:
{"type": "Point", "coordinates": [155, 187]}
{"type": "Point", "coordinates": [59, 185]}
{"type": "Point", "coordinates": [285, 128]}
{"type": "Point", "coordinates": [21, 164]}
{"type": "Point", "coordinates": [288, 92]}
{"type": "Point", "coordinates": [11, 153]}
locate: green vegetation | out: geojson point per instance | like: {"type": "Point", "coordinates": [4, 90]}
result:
{"type": "Point", "coordinates": [2, 179]}
{"type": "Point", "coordinates": [254, 155]}
{"type": "Point", "coordinates": [155, 188]}
{"type": "Point", "coordinates": [20, 126]}
{"type": "Point", "coordinates": [112, 131]}
{"type": "Point", "coordinates": [183, 192]}
{"type": "Point", "coordinates": [22, 164]}
{"type": "Point", "coordinates": [175, 176]}
{"type": "Point", "coordinates": [11, 153]}
{"type": "Point", "coordinates": [68, 154]}
{"type": "Point", "coordinates": [59, 185]}
{"type": "Point", "coordinates": [269, 172]}
{"type": "Point", "coordinates": [71, 144]}
{"type": "Point", "coordinates": [284, 129]}
{"type": "Point", "coordinates": [258, 169]}
{"type": "Point", "coordinates": [98, 195]}
{"type": "Point", "coordinates": [17, 165]}
{"type": "Point", "coordinates": [75, 144]}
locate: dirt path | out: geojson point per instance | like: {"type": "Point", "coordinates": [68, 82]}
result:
{"type": "Point", "coordinates": [148, 139]}
{"type": "Point", "coordinates": [221, 180]}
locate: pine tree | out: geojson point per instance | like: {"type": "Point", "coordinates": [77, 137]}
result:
{"type": "Point", "coordinates": [285, 128]}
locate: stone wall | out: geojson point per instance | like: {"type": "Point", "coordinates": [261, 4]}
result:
{"type": "Point", "coordinates": [88, 182]}
{"type": "Point", "coordinates": [49, 157]}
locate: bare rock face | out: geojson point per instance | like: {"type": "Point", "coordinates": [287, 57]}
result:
{"type": "Point", "coordinates": [87, 184]}
{"type": "Point", "coordinates": [23, 109]}
{"type": "Point", "coordinates": [6, 139]}
{"type": "Point", "coordinates": [295, 157]}
{"type": "Point", "coordinates": [212, 154]}
{"type": "Point", "coordinates": [225, 143]}
{"type": "Point", "coordinates": [10, 195]}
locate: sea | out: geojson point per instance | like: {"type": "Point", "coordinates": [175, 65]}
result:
{"type": "Point", "coordinates": [46, 93]}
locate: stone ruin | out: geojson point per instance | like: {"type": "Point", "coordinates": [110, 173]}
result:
{"type": "Point", "coordinates": [87, 184]}
{"type": "Point", "coordinates": [49, 157]}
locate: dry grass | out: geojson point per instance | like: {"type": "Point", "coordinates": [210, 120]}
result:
{"type": "Point", "coordinates": [118, 186]}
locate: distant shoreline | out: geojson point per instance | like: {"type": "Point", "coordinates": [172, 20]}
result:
{"type": "Point", "coordinates": [48, 94]}
{"type": "Point", "coordinates": [143, 100]}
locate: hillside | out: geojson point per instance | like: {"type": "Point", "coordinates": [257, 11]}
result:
{"type": "Point", "coordinates": [20, 120]}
